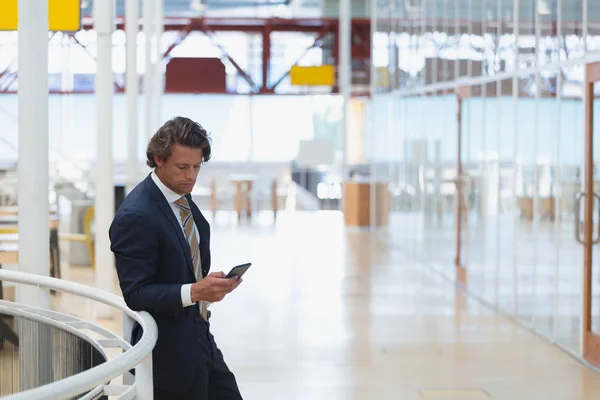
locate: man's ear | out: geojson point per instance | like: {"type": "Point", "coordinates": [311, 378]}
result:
{"type": "Point", "coordinates": [158, 161]}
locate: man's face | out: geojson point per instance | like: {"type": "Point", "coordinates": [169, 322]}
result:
{"type": "Point", "coordinates": [179, 172]}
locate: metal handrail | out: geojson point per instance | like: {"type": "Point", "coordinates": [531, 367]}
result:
{"type": "Point", "coordinates": [138, 357]}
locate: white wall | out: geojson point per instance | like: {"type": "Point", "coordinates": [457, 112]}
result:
{"type": "Point", "coordinates": [278, 122]}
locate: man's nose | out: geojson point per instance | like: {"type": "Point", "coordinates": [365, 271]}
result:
{"type": "Point", "coordinates": [190, 176]}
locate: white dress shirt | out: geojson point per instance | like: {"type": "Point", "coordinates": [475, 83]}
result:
{"type": "Point", "coordinates": [172, 197]}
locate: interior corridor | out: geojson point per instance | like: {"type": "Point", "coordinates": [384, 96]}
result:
{"type": "Point", "coordinates": [330, 312]}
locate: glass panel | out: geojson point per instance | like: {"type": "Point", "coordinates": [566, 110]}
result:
{"type": "Point", "coordinates": [402, 197]}
{"type": "Point", "coordinates": [437, 175]}
{"type": "Point", "coordinates": [445, 14]}
{"type": "Point", "coordinates": [465, 180]}
{"type": "Point", "coordinates": [394, 43]}
{"type": "Point", "coordinates": [448, 148]}
{"type": "Point", "coordinates": [410, 185]}
{"type": "Point", "coordinates": [572, 29]}
{"type": "Point", "coordinates": [526, 40]}
{"type": "Point", "coordinates": [506, 46]}
{"type": "Point", "coordinates": [402, 190]}
{"type": "Point", "coordinates": [417, 64]}
{"type": "Point", "coordinates": [472, 169]}
{"type": "Point", "coordinates": [429, 142]}
{"type": "Point", "coordinates": [490, 190]}
{"type": "Point", "coordinates": [527, 194]}
{"type": "Point", "coordinates": [415, 69]}
{"type": "Point", "coordinates": [570, 176]}
{"type": "Point", "coordinates": [404, 52]}
{"type": "Point", "coordinates": [418, 161]}
{"type": "Point", "coordinates": [548, 225]}
{"type": "Point", "coordinates": [547, 44]}
{"type": "Point", "coordinates": [432, 40]}
{"type": "Point", "coordinates": [454, 35]}
{"type": "Point", "coordinates": [475, 45]}
{"type": "Point", "coordinates": [490, 29]}
{"type": "Point", "coordinates": [398, 163]}
{"type": "Point", "coordinates": [593, 38]}
{"type": "Point", "coordinates": [508, 210]}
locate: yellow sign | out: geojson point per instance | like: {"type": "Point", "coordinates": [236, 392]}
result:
{"type": "Point", "coordinates": [63, 15]}
{"type": "Point", "coordinates": [323, 75]}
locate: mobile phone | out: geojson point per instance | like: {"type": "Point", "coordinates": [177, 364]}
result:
{"type": "Point", "coordinates": [238, 270]}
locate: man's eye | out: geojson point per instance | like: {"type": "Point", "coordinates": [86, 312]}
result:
{"type": "Point", "coordinates": [181, 167]}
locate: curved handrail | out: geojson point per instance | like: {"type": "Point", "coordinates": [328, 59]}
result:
{"type": "Point", "coordinates": [90, 379]}
{"type": "Point", "coordinates": [7, 307]}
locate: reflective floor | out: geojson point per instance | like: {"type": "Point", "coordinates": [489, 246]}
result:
{"type": "Point", "coordinates": [332, 313]}
{"type": "Point", "coordinates": [533, 271]}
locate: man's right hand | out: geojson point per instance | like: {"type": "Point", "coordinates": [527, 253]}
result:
{"type": "Point", "coordinates": [214, 287]}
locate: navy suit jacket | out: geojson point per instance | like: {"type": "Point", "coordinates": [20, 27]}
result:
{"type": "Point", "coordinates": [153, 261]}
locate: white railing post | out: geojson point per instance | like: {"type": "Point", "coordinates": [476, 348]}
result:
{"type": "Point", "coordinates": [144, 388]}
{"type": "Point", "coordinates": [128, 378]}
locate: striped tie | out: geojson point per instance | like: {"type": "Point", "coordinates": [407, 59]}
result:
{"type": "Point", "coordinates": [187, 221]}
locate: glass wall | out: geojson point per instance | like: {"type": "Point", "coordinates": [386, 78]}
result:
{"type": "Point", "coordinates": [490, 100]}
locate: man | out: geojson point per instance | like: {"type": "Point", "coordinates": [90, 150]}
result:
{"type": "Point", "coordinates": [161, 242]}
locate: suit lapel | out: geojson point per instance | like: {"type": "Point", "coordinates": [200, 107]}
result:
{"type": "Point", "coordinates": [165, 207]}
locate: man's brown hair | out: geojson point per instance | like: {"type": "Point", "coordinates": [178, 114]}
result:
{"type": "Point", "coordinates": [180, 130]}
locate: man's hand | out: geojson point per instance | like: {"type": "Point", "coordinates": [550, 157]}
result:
{"type": "Point", "coordinates": [214, 287]}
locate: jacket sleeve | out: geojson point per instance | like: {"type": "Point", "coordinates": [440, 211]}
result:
{"type": "Point", "coordinates": [134, 242]}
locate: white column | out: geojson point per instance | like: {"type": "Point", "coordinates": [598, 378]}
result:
{"type": "Point", "coordinates": [344, 77]}
{"type": "Point", "coordinates": [132, 12]}
{"type": "Point", "coordinates": [34, 233]}
{"type": "Point", "coordinates": [158, 77]}
{"type": "Point", "coordinates": [104, 24]}
{"type": "Point", "coordinates": [344, 68]}
{"type": "Point", "coordinates": [149, 70]}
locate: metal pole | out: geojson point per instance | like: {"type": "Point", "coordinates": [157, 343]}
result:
{"type": "Point", "coordinates": [104, 24]}
{"type": "Point", "coordinates": [132, 12]}
{"type": "Point", "coordinates": [34, 234]}
{"type": "Point", "coordinates": [344, 76]}
{"type": "Point", "coordinates": [149, 70]}
{"type": "Point", "coordinates": [158, 72]}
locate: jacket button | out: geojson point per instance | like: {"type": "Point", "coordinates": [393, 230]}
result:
{"type": "Point", "coordinates": [197, 320]}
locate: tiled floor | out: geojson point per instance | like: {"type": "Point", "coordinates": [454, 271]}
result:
{"type": "Point", "coordinates": [332, 313]}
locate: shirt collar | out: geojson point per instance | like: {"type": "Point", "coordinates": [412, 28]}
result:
{"type": "Point", "coordinates": [170, 195]}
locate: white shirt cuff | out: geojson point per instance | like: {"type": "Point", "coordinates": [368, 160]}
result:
{"type": "Point", "coordinates": [186, 295]}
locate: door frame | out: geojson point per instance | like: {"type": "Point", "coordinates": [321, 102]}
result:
{"type": "Point", "coordinates": [591, 342]}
